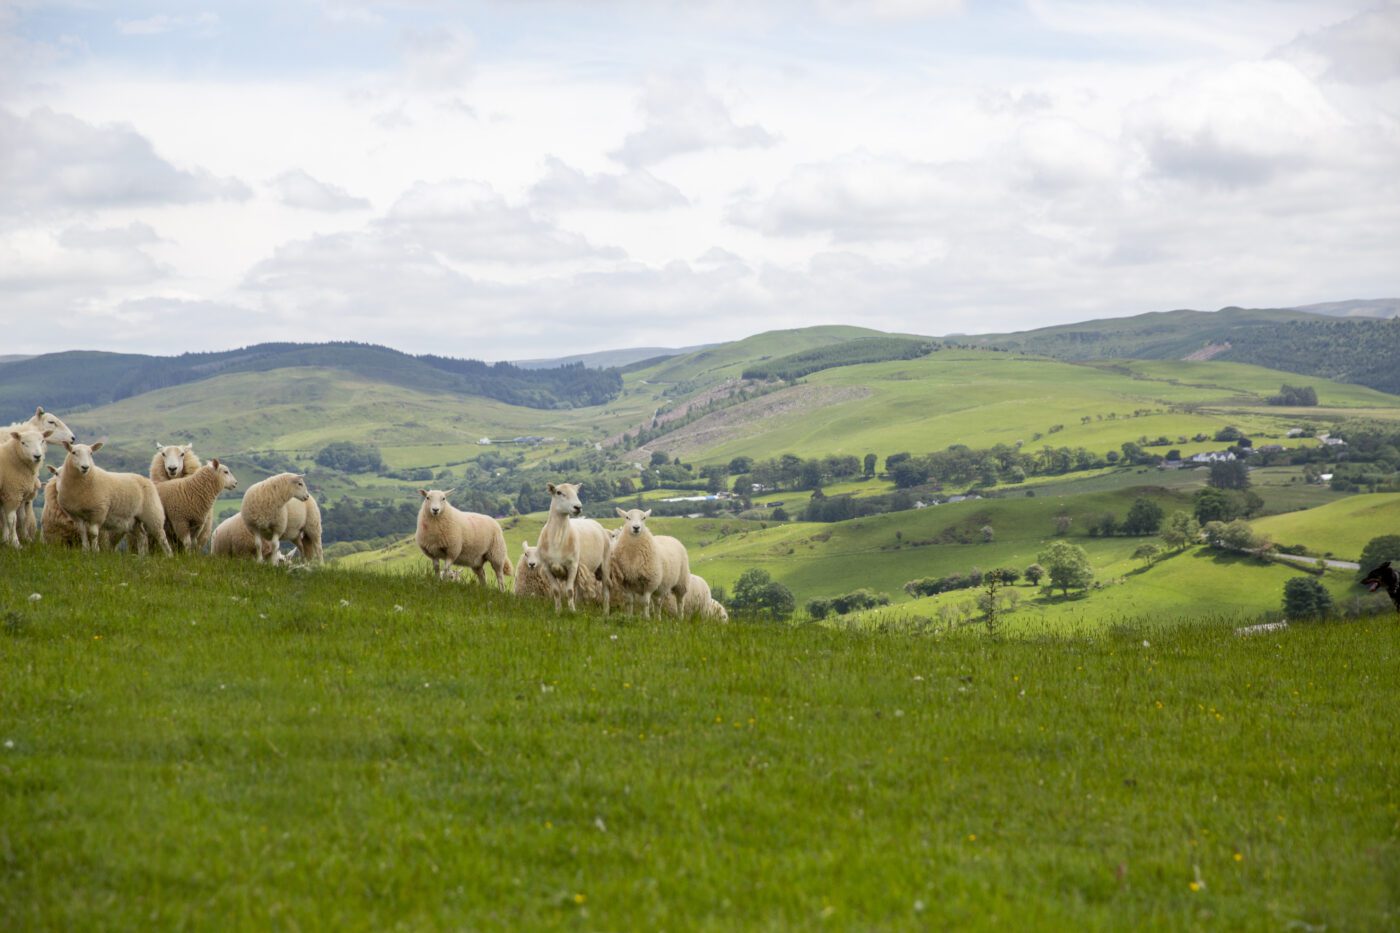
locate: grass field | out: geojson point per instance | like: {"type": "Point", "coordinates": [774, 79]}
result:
{"type": "Point", "coordinates": [192, 743]}
{"type": "Point", "coordinates": [1342, 527]}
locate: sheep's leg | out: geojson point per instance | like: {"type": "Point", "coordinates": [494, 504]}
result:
{"type": "Point", "coordinates": [11, 519]}
{"type": "Point", "coordinates": [646, 605]}
{"type": "Point", "coordinates": [437, 568]}
{"type": "Point", "coordinates": [156, 530]}
{"type": "Point", "coordinates": [607, 596]}
{"type": "Point", "coordinates": [82, 532]}
{"type": "Point", "coordinates": [500, 569]}
{"type": "Point", "coordinates": [572, 585]}
{"type": "Point", "coordinates": [556, 589]}
{"type": "Point", "coordinates": [480, 572]}
{"type": "Point", "coordinates": [260, 546]}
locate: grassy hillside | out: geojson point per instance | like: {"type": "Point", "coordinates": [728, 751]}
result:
{"type": "Point", "coordinates": [727, 360]}
{"type": "Point", "coordinates": [187, 739]}
{"type": "Point", "coordinates": [1341, 527]}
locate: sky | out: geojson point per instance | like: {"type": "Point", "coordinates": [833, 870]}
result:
{"type": "Point", "coordinates": [507, 180]}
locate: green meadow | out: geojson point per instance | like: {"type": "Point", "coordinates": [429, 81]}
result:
{"type": "Point", "coordinates": [195, 743]}
{"type": "Point", "coordinates": [1341, 527]}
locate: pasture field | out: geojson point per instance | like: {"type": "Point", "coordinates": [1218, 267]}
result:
{"type": "Point", "coordinates": [1342, 527]}
{"type": "Point", "coordinates": [186, 742]}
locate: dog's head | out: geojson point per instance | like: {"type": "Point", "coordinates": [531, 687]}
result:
{"type": "Point", "coordinates": [1385, 577]}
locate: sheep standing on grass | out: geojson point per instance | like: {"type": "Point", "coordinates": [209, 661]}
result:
{"type": "Point", "coordinates": [173, 461]}
{"type": "Point", "coordinates": [698, 604]}
{"type": "Point", "coordinates": [264, 509]}
{"type": "Point", "coordinates": [468, 539]}
{"type": "Point", "coordinates": [118, 503]}
{"type": "Point", "coordinates": [233, 539]}
{"type": "Point", "coordinates": [304, 529]}
{"type": "Point", "coordinates": [189, 501]}
{"type": "Point", "coordinates": [59, 529]}
{"type": "Point", "coordinates": [530, 579]}
{"type": "Point", "coordinates": [21, 453]}
{"type": "Point", "coordinates": [570, 545]}
{"type": "Point", "coordinates": [648, 568]}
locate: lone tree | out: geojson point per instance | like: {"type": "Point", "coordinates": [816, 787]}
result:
{"type": "Point", "coordinates": [1229, 474]}
{"type": "Point", "coordinates": [1378, 551]}
{"type": "Point", "coordinates": [757, 593]}
{"type": "Point", "coordinates": [1067, 565]}
{"type": "Point", "coordinates": [1144, 518]}
{"type": "Point", "coordinates": [1305, 598]}
{"type": "Point", "coordinates": [1147, 553]}
{"type": "Point", "coordinates": [1181, 529]}
{"type": "Point", "coordinates": [1034, 573]}
{"type": "Point", "coordinates": [869, 464]}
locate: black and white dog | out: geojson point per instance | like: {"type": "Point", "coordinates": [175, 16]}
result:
{"type": "Point", "coordinates": [1384, 576]}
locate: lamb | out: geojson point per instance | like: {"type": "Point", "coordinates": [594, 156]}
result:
{"type": "Point", "coordinates": [59, 529]}
{"type": "Point", "coordinates": [189, 500]}
{"type": "Point", "coordinates": [699, 604]}
{"type": "Point", "coordinates": [647, 567]}
{"type": "Point", "coordinates": [20, 455]}
{"type": "Point", "coordinates": [119, 503]}
{"type": "Point", "coordinates": [233, 539]}
{"type": "Point", "coordinates": [569, 545]}
{"type": "Point", "coordinates": [468, 539]}
{"type": "Point", "coordinates": [264, 508]}
{"type": "Point", "coordinates": [530, 579]}
{"type": "Point", "coordinates": [304, 528]}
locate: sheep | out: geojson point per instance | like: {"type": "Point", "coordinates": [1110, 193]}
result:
{"type": "Point", "coordinates": [568, 545]}
{"type": "Point", "coordinates": [120, 503]}
{"type": "Point", "coordinates": [531, 581]}
{"type": "Point", "coordinates": [648, 568]}
{"type": "Point", "coordinates": [20, 456]}
{"type": "Point", "coordinates": [45, 421]}
{"type": "Point", "coordinates": [304, 528]}
{"type": "Point", "coordinates": [264, 508]}
{"type": "Point", "coordinates": [172, 461]}
{"type": "Point", "coordinates": [699, 604]}
{"type": "Point", "coordinates": [59, 529]}
{"type": "Point", "coordinates": [233, 539]}
{"type": "Point", "coordinates": [189, 500]}
{"type": "Point", "coordinates": [468, 539]}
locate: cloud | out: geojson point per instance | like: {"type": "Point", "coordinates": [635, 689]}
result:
{"type": "Point", "coordinates": [563, 187]}
{"type": "Point", "coordinates": [203, 25]}
{"type": "Point", "coordinates": [1234, 127]}
{"type": "Point", "coordinates": [56, 162]}
{"type": "Point", "coordinates": [846, 11]}
{"type": "Point", "coordinates": [1364, 49]}
{"type": "Point", "coordinates": [296, 188]}
{"type": "Point", "coordinates": [681, 115]}
{"type": "Point", "coordinates": [438, 57]}
{"type": "Point", "coordinates": [469, 221]}
{"type": "Point", "coordinates": [81, 236]}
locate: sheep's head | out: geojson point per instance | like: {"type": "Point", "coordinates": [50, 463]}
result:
{"type": "Point", "coordinates": [634, 520]}
{"type": "Point", "coordinates": [47, 421]}
{"type": "Point", "coordinates": [529, 556]}
{"type": "Point", "coordinates": [225, 474]}
{"type": "Point", "coordinates": [32, 443]}
{"type": "Point", "coordinates": [435, 500]}
{"type": "Point", "coordinates": [299, 490]}
{"type": "Point", "coordinates": [172, 458]}
{"type": "Point", "coordinates": [563, 498]}
{"type": "Point", "coordinates": [81, 455]}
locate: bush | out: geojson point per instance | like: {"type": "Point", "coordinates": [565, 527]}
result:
{"type": "Point", "coordinates": [349, 457]}
{"type": "Point", "coordinates": [1378, 551]}
{"type": "Point", "coordinates": [1305, 598]}
{"type": "Point", "coordinates": [756, 593]}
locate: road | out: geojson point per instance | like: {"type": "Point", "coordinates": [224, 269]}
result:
{"type": "Point", "coordinates": [1312, 561]}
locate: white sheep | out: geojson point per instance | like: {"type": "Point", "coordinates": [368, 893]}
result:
{"type": "Point", "coordinates": [45, 421]}
{"type": "Point", "coordinates": [59, 529]}
{"type": "Point", "coordinates": [118, 503]}
{"type": "Point", "coordinates": [569, 546]}
{"type": "Point", "coordinates": [189, 500]}
{"type": "Point", "coordinates": [264, 508]}
{"type": "Point", "coordinates": [698, 604]}
{"type": "Point", "coordinates": [467, 539]}
{"type": "Point", "coordinates": [304, 529]}
{"type": "Point", "coordinates": [233, 539]}
{"type": "Point", "coordinates": [21, 453]}
{"type": "Point", "coordinates": [172, 461]}
{"type": "Point", "coordinates": [648, 568]}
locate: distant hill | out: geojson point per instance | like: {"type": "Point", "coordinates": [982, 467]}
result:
{"type": "Point", "coordinates": [1360, 350]}
{"type": "Point", "coordinates": [1356, 307]}
{"type": "Point", "coordinates": [605, 359]}
{"type": "Point", "coordinates": [12, 358]}
{"type": "Point", "coordinates": [79, 379]}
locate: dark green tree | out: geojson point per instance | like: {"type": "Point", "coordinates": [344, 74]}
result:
{"type": "Point", "coordinates": [1144, 518]}
{"type": "Point", "coordinates": [1306, 598]}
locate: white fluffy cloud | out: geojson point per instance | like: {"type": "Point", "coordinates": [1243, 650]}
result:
{"type": "Point", "coordinates": [681, 115]}
{"type": "Point", "coordinates": [563, 187]}
{"type": "Point", "coordinates": [296, 188]}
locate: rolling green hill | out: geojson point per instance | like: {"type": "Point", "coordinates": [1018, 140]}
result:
{"type": "Point", "coordinates": [1341, 528]}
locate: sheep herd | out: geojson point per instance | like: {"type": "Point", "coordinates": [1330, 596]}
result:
{"type": "Point", "coordinates": [575, 559]}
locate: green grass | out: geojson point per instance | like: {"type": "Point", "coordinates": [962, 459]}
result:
{"type": "Point", "coordinates": [1342, 527]}
{"type": "Point", "coordinates": [195, 743]}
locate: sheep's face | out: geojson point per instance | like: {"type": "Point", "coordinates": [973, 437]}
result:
{"type": "Point", "coordinates": [32, 444]}
{"type": "Point", "coordinates": [299, 490]}
{"type": "Point", "coordinates": [563, 498]}
{"type": "Point", "coordinates": [530, 556]}
{"type": "Point", "coordinates": [225, 474]}
{"type": "Point", "coordinates": [172, 459]}
{"type": "Point", "coordinates": [634, 521]}
{"type": "Point", "coordinates": [47, 421]}
{"type": "Point", "coordinates": [434, 500]}
{"type": "Point", "coordinates": [81, 455]}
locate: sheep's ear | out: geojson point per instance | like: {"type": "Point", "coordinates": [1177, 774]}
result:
{"type": "Point", "coordinates": [48, 434]}
{"type": "Point", "coordinates": [14, 434]}
{"type": "Point", "coordinates": [646, 515]}
{"type": "Point", "coordinates": [159, 445]}
{"type": "Point", "coordinates": [38, 410]}
{"type": "Point", "coordinates": [423, 493]}
{"type": "Point", "coordinates": [620, 513]}
{"type": "Point", "coordinates": [51, 469]}
{"type": "Point", "coordinates": [449, 492]}
{"type": "Point", "coordinates": [214, 463]}
{"type": "Point", "coordinates": [550, 488]}
{"type": "Point", "coordinates": [68, 446]}
{"type": "Point", "coordinates": [578, 485]}
{"type": "Point", "coordinates": [98, 446]}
